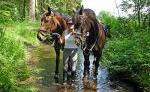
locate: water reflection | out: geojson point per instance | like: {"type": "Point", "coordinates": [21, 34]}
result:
{"type": "Point", "coordinates": [81, 83]}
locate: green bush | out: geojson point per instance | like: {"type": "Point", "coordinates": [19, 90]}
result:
{"type": "Point", "coordinates": [128, 50]}
{"type": "Point", "coordinates": [26, 32]}
{"type": "Point", "coordinates": [12, 60]}
{"type": "Point", "coordinates": [13, 56]}
{"type": "Point", "coordinates": [8, 12]}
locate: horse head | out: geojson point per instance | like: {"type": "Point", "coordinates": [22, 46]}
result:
{"type": "Point", "coordinates": [53, 26]}
{"type": "Point", "coordinates": [84, 23]}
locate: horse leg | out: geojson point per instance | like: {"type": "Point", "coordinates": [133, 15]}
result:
{"type": "Point", "coordinates": [86, 54]}
{"type": "Point", "coordinates": [57, 51]}
{"type": "Point", "coordinates": [97, 56]}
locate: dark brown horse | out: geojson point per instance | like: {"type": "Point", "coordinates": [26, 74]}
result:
{"type": "Point", "coordinates": [92, 36]}
{"type": "Point", "coordinates": [51, 31]}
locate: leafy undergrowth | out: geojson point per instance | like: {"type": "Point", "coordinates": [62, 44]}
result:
{"type": "Point", "coordinates": [14, 69]}
{"type": "Point", "coordinates": [127, 53]}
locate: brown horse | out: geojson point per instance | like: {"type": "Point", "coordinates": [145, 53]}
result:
{"type": "Point", "coordinates": [92, 36]}
{"type": "Point", "coordinates": [51, 31]}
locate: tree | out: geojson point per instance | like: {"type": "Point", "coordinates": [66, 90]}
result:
{"type": "Point", "coordinates": [22, 4]}
{"type": "Point", "coordinates": [138, 8]}
{"type": "Point", "coordinates": [62, 6]}
{"type": "Point", "coordinates": [32, 10]}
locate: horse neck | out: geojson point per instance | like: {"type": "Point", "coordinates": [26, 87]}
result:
{"type": "Point", "coordinates": [90, 25]}
{"type": "Point", "coordinates": [62, 23]}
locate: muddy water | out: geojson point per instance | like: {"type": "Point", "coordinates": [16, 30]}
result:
{"type": "Point", "coordinates": [47, 83]}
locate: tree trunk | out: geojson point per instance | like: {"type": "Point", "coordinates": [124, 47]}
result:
{"type": "Point", "coordinates": [22, 9]}
{"type": "Point", "coordinates": [32, 10]}
{"type": "Point", "coordinates": [36, 9]}
{"type": "Point", "coordinates": [148, 20]}
{"type": "Point", "coordinates": [138, 8]}
{"type": "Point", "coordinates": [41, 6]}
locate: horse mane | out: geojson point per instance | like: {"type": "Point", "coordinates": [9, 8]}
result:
{"type": "Point", "coordinates": [61, 18]}
{"type": "Point", "coordinates": [89, 21]}
{"type": "Point", "coordinates": [65, 17]}
{"type": "Point", "coordinates": [58, 19]}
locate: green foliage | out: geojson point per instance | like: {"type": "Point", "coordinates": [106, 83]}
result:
{"type": "Point", "coordinates": [16, 36]}
{"type": "Point", "coordinates": [18, 10]}
{"type": "Point", "coordinates": [25, 32]}
{"type": "Point", "coordinates": [140, 10]}
{"type": "Point", "coordinates": [12, 63]}
{"type": "Point", "coordinates": [13, 56]}
{"type": "Point", "coordinates": [62, 6]}
{"type": "Point", "coordinates": [108, 19]}
{"type": "Point", "coordinates": [8, 11]}
{"type": "Point", "coordinates": [128, 50]}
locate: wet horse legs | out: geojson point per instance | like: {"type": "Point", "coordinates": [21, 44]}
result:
{"type": "Point", "coordinates": [86, 54]}
{"type": "Point", "coordinates": [57, 51]}
{"type": "Point", "coordinates": [97, 56]}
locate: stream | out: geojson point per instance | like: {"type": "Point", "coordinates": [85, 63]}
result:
{"type": "Point", "coordinates": [44, 56]}
{"type": "Point", "coordinates": [46, 64]}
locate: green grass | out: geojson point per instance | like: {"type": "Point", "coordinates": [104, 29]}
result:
{"type": "Point", "coordinates": [23, 32]}
{"type": "Point", "coordinates": [13, 55]}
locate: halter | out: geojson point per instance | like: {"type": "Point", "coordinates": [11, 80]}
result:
{"type": "Point", "coordinates": [53, 30]}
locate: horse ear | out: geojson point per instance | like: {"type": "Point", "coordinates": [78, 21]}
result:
{"type": "Point", "coordinates": [49, 10]}
{"type": "Point", "coordinates": [81, 10]}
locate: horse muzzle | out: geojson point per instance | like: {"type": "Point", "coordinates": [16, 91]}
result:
{"type": "Point", "coordinates": [44, 37]}
{"type": "Point", "coordinates": [41, 36]}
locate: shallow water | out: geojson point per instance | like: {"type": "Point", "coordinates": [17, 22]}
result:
{"type": "Point", "coordinates": [47, 83]}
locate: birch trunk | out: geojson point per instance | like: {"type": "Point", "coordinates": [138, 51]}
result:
{"type": "Point", "coordinates": [32, 10]}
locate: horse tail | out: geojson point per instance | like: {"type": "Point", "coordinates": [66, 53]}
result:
{"type": "Point", "coordinates": [102, 36]}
